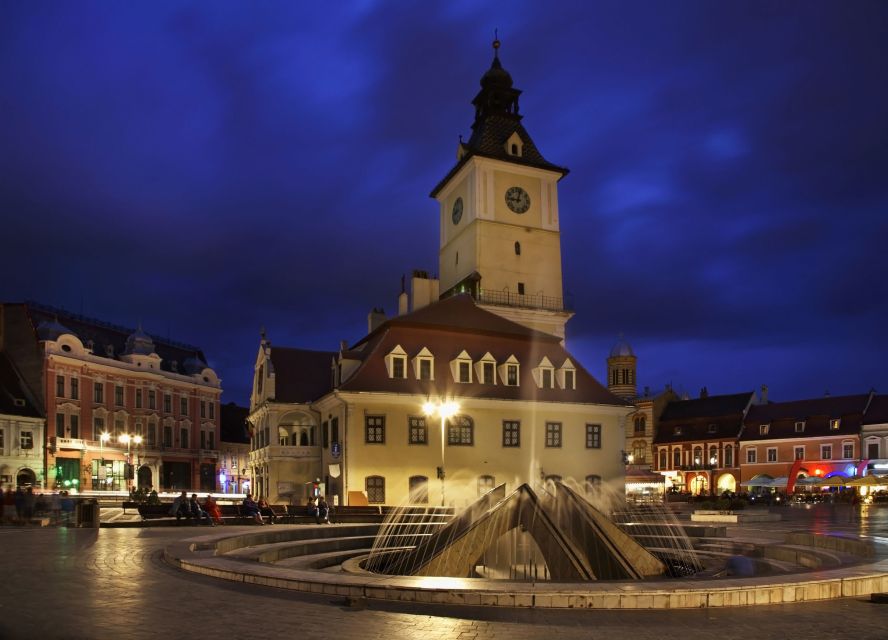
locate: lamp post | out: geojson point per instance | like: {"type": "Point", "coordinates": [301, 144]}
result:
{"type": "Point", "coordinates": [128, 440]}
{"type": "Point", "coordinates": [445, 409]}
{"type": "Point", "coordinates": [103, 438]}
{"type": "Point", "coordinates": [713, 460]}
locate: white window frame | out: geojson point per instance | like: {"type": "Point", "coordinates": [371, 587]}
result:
{"type": "Point", "coordinates": [397, 353]}
{"type": "Point", "coordinates": [561, 377]}
{"type": "Point", "coordinates": [826, 452]}
{"type": "Point", "coordinates": [800, 426]}
{"type": "Point", "coordinates": [795, 452]}
{"type": "Point", "coordinates": [479, 369]}
{"type": "Point", "coordinates": [772, 450]}
{"type": "Point", "coordinates": [462, 358]}
{"type": "Point", "coordinates": [544, 365]}
{"type": "Point", "coordinates": [424, 355]}
{"type": "Point", "coordinates": [751, 455]}
{"type": "Point", "coordinates": [503, 371]}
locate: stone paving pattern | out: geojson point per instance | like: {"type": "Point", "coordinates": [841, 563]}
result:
{"type": "Point", "coordinates": [112, 583]}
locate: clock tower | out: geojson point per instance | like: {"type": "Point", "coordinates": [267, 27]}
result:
{"type": "Point", "coordinates": [500, 238]}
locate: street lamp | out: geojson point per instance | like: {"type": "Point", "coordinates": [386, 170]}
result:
{"type": "Point", "coordinates": [128, 440]}
{"type": "Point", "coordinates": [103, 438]}
{"type": "Point", "coordinates": [446, 409]}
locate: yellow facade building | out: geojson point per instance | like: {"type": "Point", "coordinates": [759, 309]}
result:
{"type": "Point", "coordinates": [460, 391]}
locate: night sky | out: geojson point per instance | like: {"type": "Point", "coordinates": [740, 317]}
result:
{"type": "Point", "coordinates": [212, 168]}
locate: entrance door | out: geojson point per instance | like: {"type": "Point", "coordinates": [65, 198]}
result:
{"type": "Point", "coordinates": [67, 473]}
{"type": "Point", "coordinates": [145, 478]}
{"type": "Point", "coordinates": [26, 478]}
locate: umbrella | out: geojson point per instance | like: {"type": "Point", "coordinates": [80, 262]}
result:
{"type": "Point", "coordinates": [868, 481]}
{"type": "Point", "coordinates": [809, 481]}
{"type": "Point", "coordinates": [834, 481]}
{"type": "Point", "coordinates": [779, 482]}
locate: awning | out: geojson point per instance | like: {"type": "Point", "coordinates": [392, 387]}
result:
{"type": "Point", "coordinates": [868, 481]}
{"type": "Point", "coordinates": [835, 481]}
{"type": "Point", "coordinates": [761, 480]}
{"type": "Point", "coordinates": [779, 482]}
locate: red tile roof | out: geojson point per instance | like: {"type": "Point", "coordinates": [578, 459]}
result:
{"type": "Point", "coordinates": [447, 328]}
{"type": "Point", "coordinates": [301, 375]}
{"type": "Point", "coordinates": [816, 414]}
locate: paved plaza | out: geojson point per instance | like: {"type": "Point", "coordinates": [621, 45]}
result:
{"type": "Point", "coordinates": [113, 583]}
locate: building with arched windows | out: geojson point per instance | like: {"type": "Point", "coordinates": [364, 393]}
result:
{"type": "Point", "coordinates": [470, 385]}
{"type": "Point", "coordinates": [524, 410]}
{"type": "Point", "coordinates": [123, 409]}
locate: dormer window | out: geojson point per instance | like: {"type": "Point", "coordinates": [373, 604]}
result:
{"type": "Point", "coordinates": [800, 426]}
{"type": "Point", "coordinates": [677, 431]}
{"type": "Point", "coordinates": [423, 365]}
{"type": "Point", "coordinates": [543, 375]}
{"type": "Point", "coordinates": [515, 145]}
{"type": "Point", "coordinates": [485, 369]}
{"type": "Point", "coordinates": [396, 363]}
{"type": "Point", "coordinates": [712, 428]}
{"type": "Point", "coordinates": [834, 424]}
{"type": "Point", "coordinates": [508, 371]}
{"type": "Point", "coordinates": [461, 368]}
{"type": "Point", "coordinates": [763, 429]}
{"type": "Point", "coordinates": [566, 376]}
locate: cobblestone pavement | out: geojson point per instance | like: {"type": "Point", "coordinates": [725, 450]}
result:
{"type": "Point", "coordinates": [113, 583]}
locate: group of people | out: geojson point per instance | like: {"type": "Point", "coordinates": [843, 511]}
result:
{"type": "Point", "coordinates": [256, 510]}
{"type": "Point", "coordinates": [24, 504]}
{"type": "Point", "coordinates": [185, 508]}
{"type": "Point", "coordinates": [319, 508]}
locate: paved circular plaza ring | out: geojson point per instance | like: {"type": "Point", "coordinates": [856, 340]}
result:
{"type": "Point", "coordinates": [325, 560]}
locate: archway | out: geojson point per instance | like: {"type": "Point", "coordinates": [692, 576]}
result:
{"type": "Point", "coordinates": [26, 478]}
{"type": "Point", "coordinates": [145, 477]}
{"type": "Point", "coordinates": [726, 482]}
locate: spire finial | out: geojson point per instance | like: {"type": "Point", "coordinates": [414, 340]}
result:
{"type": "Point", "coordinates": [496, 43]}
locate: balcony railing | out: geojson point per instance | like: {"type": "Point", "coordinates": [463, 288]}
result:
{"type": "Point", "coordinates": [522, 301]}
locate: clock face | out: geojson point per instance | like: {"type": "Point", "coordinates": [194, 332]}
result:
{"type": "Point", "coordinates": [517, 199]}
{"type": "Point", "coordinates": [456, 214]}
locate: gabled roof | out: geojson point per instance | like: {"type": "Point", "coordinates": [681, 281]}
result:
{"type": "Point", "coordinates": [15, 400]}
{"type": "Point", "coordinates": [459, 313]}
{"type": "Point", "coordinates": [301, 375]}
{"type": "Point", "coordinates": [103, 334]}
{"type": "Point", "coordinates": [816, 414]}
{"type": "Point", "coordinates": [233, 423]}
{"type": "Point", "coordinates": [877, 412]}
{"type": "Point", "coordinates": [702, 419]}
{"type": "Point", "coordinates": [709, 407]}
{"type": "Point", "coordinates": [457, 324]}
{"type": "Point", "coordinates": [831, 406]}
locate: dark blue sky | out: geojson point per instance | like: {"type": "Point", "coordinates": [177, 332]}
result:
{"type": "Point", "coordinates": [210, 168]}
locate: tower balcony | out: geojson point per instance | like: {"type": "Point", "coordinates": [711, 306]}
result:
{"type": "Point", "coordinates": [521, 300]}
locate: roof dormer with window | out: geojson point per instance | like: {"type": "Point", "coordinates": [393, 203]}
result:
{"type": "Point", "coordinates": [566, 376]}
{"type": "Point", "coordinates": [509, 371]}
{"type": "Point", "coordinates": [763, 429]}
{"type": "Point", "coordinates": [485, 369]}
{"type": "Point", "coordinates": [461, 368]}
{"type": "Point", "coordinates": [544, 374]}
{"type": "Point", "coordinates": [515, 145]}
{"type": "Point", "coordinates": [424, 365]}
{"type": "Point", "coordinates": [396, 363]}
{"type": "Point", "coordinates": [834, 424]}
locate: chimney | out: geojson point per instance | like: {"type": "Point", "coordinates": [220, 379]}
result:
{"type": "Point", "coordinates": [764, 399]}
{"type": "Point", "coordinates": [704, 393]}
{"type": "Point", "coordinates": [424, 290]}
{"type": "Point", "coordinates": [375, 318]}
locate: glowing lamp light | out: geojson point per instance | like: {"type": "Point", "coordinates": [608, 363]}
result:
{"type": "Point", "coordinates": [105, 437]}
{"type": "Point", "coordinates": [222, 477]}
{"type": "Point", "coordinates": [137, 439]}
{"type": "Point", "coordinates": [818, 472]}
{"type": "Point", "coordinates": [124, 438]}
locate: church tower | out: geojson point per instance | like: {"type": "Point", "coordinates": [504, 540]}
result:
{"type": "Point", "coordinates": [500, 237]}
{"type": "Point", "coordinates": [621, 366]}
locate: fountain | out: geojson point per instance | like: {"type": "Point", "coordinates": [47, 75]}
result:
{"type": "Point", "coordinates": [557, 535]}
